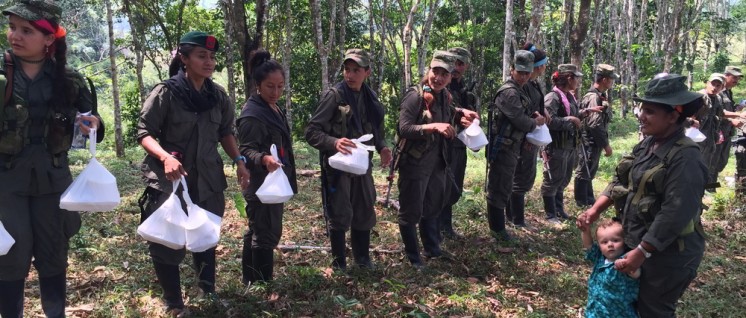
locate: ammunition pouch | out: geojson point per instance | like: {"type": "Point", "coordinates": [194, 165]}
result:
{"type": "Point", "coordinates": [13, 129]}
{"type": "Point", "coordinates": [60, 133]}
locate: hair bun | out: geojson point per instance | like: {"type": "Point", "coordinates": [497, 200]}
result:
{"type": "Point", "coordinates": [258, 58]}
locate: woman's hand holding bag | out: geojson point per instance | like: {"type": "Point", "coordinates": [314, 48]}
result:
{"type": "Point", "coordinates": [276, 187]}
{"type": "Point", "coordinates": [202, 227]}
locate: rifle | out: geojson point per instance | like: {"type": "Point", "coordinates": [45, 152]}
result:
{"type": "Point", "coordinates": [324, 194]}
{"type": "Point", "coordinates": [545, 160]}
{"type": "Point", "coordinates": [490, 108]}
{"type": "Point", "coordinates": [392, 168]}
{"type": "Point", "coordinates": [585, 155]}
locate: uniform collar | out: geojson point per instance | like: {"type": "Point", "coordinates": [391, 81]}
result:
{"type": "Point", "coordinates": [664, 148]}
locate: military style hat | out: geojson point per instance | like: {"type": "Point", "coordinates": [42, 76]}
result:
{"type": "Point", "coordinates": [360, 57]}
{"type": "Point", "coordinates": [200, 38]}
{"type": "Point", "coordinates": [33, 10]}
{"type": "Point", "coordinates": [606, 70]}
{"type": "Point", "coordinates": [732, 70]}
{"type": "Point", "coordinates": [717, 77]}
{"type": "Point", "coordinates": [523, 61]}
{"type": "Point", "coordinates": [671, 90]}
{"type": "Point", "coordinates": [568, 68]}
{"type": "Point", "coordinates": [443, 59]}
{"type": "Point", "coordinates": [462, 54]}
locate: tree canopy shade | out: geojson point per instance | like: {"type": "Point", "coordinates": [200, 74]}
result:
{"type": "Point", "coordinates": [641, 38]}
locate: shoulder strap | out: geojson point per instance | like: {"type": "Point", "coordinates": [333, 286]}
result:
{"type": "Point", "coordinates": [94, 108]}
{"type": "Point", "coordinates": [680, 144]}
{"type": "Point", "coordinates": [9, 70]}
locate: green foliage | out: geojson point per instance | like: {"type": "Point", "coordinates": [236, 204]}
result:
{"type": "Point", "coordinates": [719, 61]}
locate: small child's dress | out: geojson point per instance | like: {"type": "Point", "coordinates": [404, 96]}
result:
{"type": "Point", "coordinates": [611, 293]}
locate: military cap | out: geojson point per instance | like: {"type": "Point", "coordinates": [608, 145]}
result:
{"type": "Point", "coordinates": [360, 57]}
{"type": "Point", "coordinates": [443, 59]}
{"type": "Point", "coordinates": [671, 90]}
{"type": "Point", "coordinates": [462, 54]}
{"type": "Point", "coordinates": [568, 68]}
{"type": "Point", "coordinates": [606, 70]}
{"type": "Point", "coordinates": [717, 77]}
{"type": "Point", "coordinates": [200, 38]}
{"type": "Point", "coordinates": [523, 61]}
{"type": "Point", "coordinates": [33, 10]}
{"type": "Point", "coordinates": [732, 70]}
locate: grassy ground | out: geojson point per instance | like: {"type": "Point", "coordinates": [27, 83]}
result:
{"type": "Point", "coordinates": [110, 273]}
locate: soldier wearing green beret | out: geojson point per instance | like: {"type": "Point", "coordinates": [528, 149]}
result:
{"type": "Point", "coordinates": [561, 106]}
{"type": "Point", "coordinates": [181, 122]}
{"type": "Point", "coordinates": [594, 130]}
{"type": "Point", "coordinates": [512, 120]}
{"type": "Point", "coordinates": [37, 123]}
{"type": "Point", "coordinates": [347, 111]}
{"type": "Point", "coordinates": [463, 97]}
{"type": "Point", "coordinates": [661, 219]}
{"type": "Point", "coordinates": [426, 125]}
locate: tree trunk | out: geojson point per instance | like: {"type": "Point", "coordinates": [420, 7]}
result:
{"type": "Point", "coordinates": [137, 40]}
{"type": "Point", "coordinates": [286, 57]}
{"type": "Point", "coordinates": [580, 31]}
{"type": "Point", "coordinates": [382, 52]}
{"type": "Point", "coordinates": [229, 51]}
{"type": "Point", "coordinates": [408, 44]}
{"type": "Point", "coordinates": [672, 44]}
{"type": "Point", "coordinates": [319, 44]}
{"type": "Point", "coordinates": [424, 40]}
{"type": "Point", "coordinates": [537, 15]}
{"type": "Point", "coordinates": [508, 39]}
{"type": "Point", "coordinates": [119, 140]}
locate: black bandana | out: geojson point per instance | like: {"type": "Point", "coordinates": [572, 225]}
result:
{"type": "Point", "coordinates": [193, 100]}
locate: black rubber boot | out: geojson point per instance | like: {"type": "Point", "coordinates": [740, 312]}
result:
{"type": "Point", "coordinates": [337, 240]}
{"type": "Point", "coordinates": [550, 208]}
{"type": "Point", "coordinates": [509, 216]}
{"type": "Point", "coordinates": [411, 246]}
{"type": "Point", "coordinates": [559, 200]}
{"type": "Point", "coordinates": [580, 192]}
{"type": "Point", "coordinates": [53, 292]}
{"type": "Point", "coordinates": [497, 223]}
{"type": "Point", "coordinates": [591, 198]}
{"type": "Point", "coordinates": [204, 266]}
{"type": "Point", "coordinates": [360, 242]}
{"type": "Point", "coordinates": [11, 298]}
{"type": "Point", "coordinates": [168, 277]}
{"type": "Point", "coordinates": [247, 264]}
{"type": "Point", "coordinates": [430, 236]}
{"type": "Point", "coordinates": [517, 209]}
{"type": "Point", "coordinates": [264, 262]}
{"type": "Point", "coordinates": [446, 225]}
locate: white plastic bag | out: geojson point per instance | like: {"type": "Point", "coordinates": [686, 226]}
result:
{"type": "Point", "coordinates": [473, 136]}
{"type": "Point", "coordinates": [6, 241]}
{"type": "Point", "coordinates": [695, 134]}
{"type": "Point", "coordinates": [540, 136]}
{"type": "Point", "coordinates": [276, 187]}
{"type": "Point", "coordinates": [356, 162]}
{"type": "Point", "coordinates": [166, 225]}
{"type": "Point", "coordinates": [95, 188]}
{"type": "Point", "coordinates": [202, 227]}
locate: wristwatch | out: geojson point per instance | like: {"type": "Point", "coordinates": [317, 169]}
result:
{"type": "Point", "coordinates": [239, 158]}
{"type": "Point", "coordinates": [644, 252]}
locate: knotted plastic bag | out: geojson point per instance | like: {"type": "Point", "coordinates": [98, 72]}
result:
{"type": "Point", "coordinates": [6, 241]}
{"type": "Point", "coordinates": [539, 136]}
{"type": "Point", "coordinates": [95, 188]}
{"type": "Point", "coordinates": [166, 225]}
{"type": "Point", "coordinates": [276, 187]}
{"type": "Point", "coordinates": [357, 161]}
{"type": "Point", "coordinates": [695, 134]}
{"type": "Point", "coordinates": [473, 136]}
{"type": "Point", "coordinates": [202, 227]}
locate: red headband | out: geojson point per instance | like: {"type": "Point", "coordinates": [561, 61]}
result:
{"type": "Point", "coordinates": [45, 25]}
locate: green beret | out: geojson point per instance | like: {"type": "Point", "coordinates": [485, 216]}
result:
{"type": "Point", "coordinates": [359, 56]}
{"type": "Point", "coordinates": [200, 38]}
{"type": "Point", "coordinates": [33, 10]}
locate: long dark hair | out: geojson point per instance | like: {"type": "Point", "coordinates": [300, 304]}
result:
{"type": "Point", "coordinates": [58, 51]}
{"type": "Point", "coordinates": [261, 64]}
{"type": "Point", "coordinates": [176, 63]}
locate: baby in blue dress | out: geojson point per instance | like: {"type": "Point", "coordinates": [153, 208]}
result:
{"type": "Point", "coordinates": [611, 293]}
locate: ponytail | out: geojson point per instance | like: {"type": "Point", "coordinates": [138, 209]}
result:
{"type": "Point", "coordinates": [261, 64]}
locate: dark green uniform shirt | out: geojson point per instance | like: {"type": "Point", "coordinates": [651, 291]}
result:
{"type": "Point", "coordinates": [595, 126]}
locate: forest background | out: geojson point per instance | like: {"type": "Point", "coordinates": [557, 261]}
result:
{"type": "Point", "coordinates": [125, 46]}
